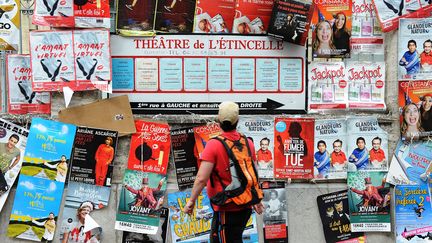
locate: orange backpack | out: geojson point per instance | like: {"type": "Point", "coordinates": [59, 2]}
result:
{"type": "Point", "coordinates": [244, 187]}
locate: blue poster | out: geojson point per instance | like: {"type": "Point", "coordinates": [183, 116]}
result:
{"type": "Point", "coordinates": [413, 213]}
{"type": "Point", "coordinates": [35, 210]}
{"type": "Point", "coordinates": [48, 149]}
{"type": "Point", "coordinates": [411, 163]}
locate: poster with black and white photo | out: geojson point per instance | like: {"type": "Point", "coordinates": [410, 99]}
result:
{"type": "Point", "coordinates": [184, 156]}
{"type": "Point", "coordinates": [275, 212]}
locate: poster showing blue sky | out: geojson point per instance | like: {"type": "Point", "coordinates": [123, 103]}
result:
{"type": "Point", "coordinates": [48, 149]}
{"type": "Point", "coordinates": [413, 213]}
{"type": "Point", "coordinates": [35, 200]}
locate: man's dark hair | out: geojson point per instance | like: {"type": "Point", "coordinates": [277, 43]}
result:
{"type": "Point", "coordinates": [321, 141]}
{"type": "Point", "coordinates": [227, 126]}
{"type": "Point", "coordinates": [412, 41]}
{"type": "Point", "coordinates": [377, 138]}
{"type": "Point", "coordinates": [337, 141]}
{"type": "Point", "coordinates": [428, 40]}
{"type": "Point", "coordinates": [14, 136]}
{"type": "Point", "coordinates": [51, 213]}
{"type": "Point", "coordinates": [266, 138]}
{"type": "Point", "coordinates": [360, 138]}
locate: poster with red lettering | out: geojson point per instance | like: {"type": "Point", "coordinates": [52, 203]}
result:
{"type": "Point", "coordinates": [252, 17]}
{"type": "Point", "coordinates": [214, 16]}
{"type": "Point", "coordinates": [93, 58]}
{"type": "Point", "coordinates": [21, 98]}
{"type": "Point", "coordinates": [294, 146]}
{"type": "Point", "coordinates": [92, 13]}
{"type": "Point", "coordinates": [366, 35]}
{"type": "Point", "coordinates": [366, 85]}
{"type": "Point", "coordinates": [390, 11]}
{"type": "Point", "coordinates": [327, 86]}
{"type": "Point", "coordinates": [52, 61]}
{"type": "Point", "coordinates": [415, 107]}
{"type": "Point", "coordinates": [331, 28]}
{"type": "Point", "coordinates": [150, 147]}
{"type": "Point", "coordinates": [54, 13]}
{"type": "Point", "coordinates": [204, 133]}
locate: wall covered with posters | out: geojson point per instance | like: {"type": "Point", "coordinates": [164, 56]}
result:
{"type": "Point", "coordinates": [301, 205]}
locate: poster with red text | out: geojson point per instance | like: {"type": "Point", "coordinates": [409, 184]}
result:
{"type": "Point", "coordinates": [331, 26]}
{"type": "Point", "coordinates": [390, 11]}
{"type": "Point", "coordinates": [367, 36]}
{"type": "Point", "coordinates": [252, 17]}
{"type": "Point", "coordinates": [52, 60]}
{"type": "Point", "coordinates": [327, 86]}
{"type": "Point", "coordinates": [150, 147]}
{"type": "Point", "coordinates": [93, 58]}
{"type": "Point", "coordinates": [293, 149]}
{"type": "Point", "coordinates": [92, 13]}
{"type": "Point", "coordinates": [54, 13]}
{"type": "Point", "coordinates": [214, 16]}
{"type": "Point", "coordinates": [21, 98]}
{"type": "Point", "coordinates": [204, 133]}
{"type": "Point", "coordinates": [366, 85]}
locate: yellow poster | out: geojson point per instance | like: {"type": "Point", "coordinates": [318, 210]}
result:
{"type": "Point", "coordinates": [9, 25]}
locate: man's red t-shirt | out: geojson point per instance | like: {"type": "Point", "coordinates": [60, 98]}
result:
{"type": "Point", "coordinates": [338, 158]}
{"type": "Point", "coordinates": [377, 155]}
{"type": "Point", "coordinates": [214, 152]}
{"type": "Point", "coordinates": [264, 155]}
{"type": "Point", "coordinates": [426, 58]}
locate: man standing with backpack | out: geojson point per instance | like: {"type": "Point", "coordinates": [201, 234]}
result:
{"type": "Point", "coordinates": [227, 168]}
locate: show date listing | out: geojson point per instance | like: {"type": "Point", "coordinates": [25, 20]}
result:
{"type": "Point", "coordinates": [187, 226]}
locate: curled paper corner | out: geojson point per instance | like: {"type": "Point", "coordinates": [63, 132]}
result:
{"type": "Point", "coordinates": [67, 93]}
{"type": "Point", "coordinates": [90, 224]}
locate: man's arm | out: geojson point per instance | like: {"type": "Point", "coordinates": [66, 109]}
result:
{"type": "Point", "coordinates": [357, 191]}
{"type": "Point", "coordinates": [17, 158]}
{"type": "Point", "coordinates": [38, 223]}
{"type": "Point", "coordinates": [201, 179]}
{"type": "Point", "coordinates": [54, 166]}
{"type": "Point", "coordinates": [131, 189]}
